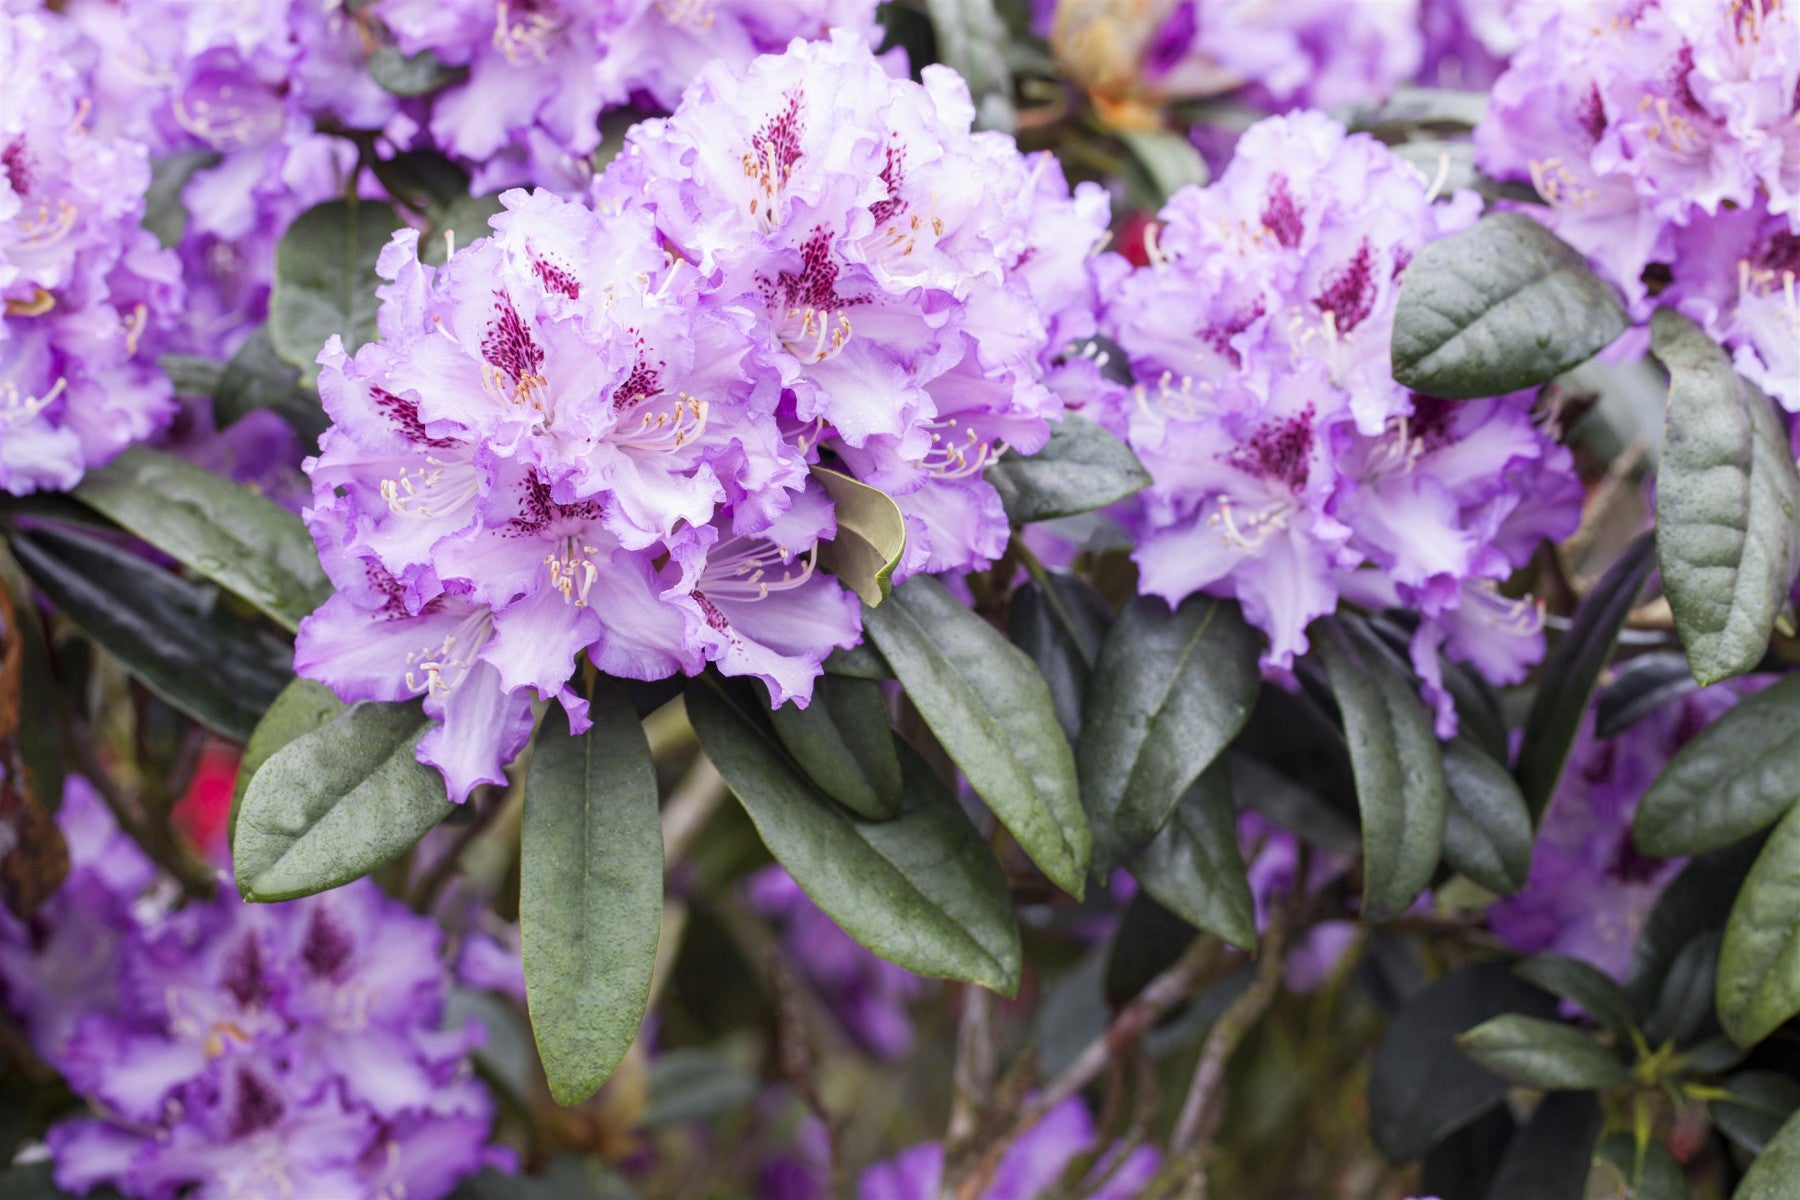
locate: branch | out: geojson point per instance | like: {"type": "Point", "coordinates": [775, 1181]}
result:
{"type": "Point", "coordinates": [1164, 993]}
{"type": "Point", "coordinates": [1203, 1111]}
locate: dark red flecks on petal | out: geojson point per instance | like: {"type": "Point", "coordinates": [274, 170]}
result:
{"type": "Point", "coordinates": [508, 344]}
{"type": "Point", "coordinates": [1279, 451]}
{"type": "Point", "coordinates": [1349, 295]}
{"type": "Point", "coordinates": [1281, 216]}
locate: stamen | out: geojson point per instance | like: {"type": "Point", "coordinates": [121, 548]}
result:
{"type": "Point", "coordinates": [1248, 533]}
{"type": "Point", "coordinates": [573, 572]}
{"type": "Point", "coordinates": [16, 409]}
{"type": "Point", "coordinates": [956, 456]}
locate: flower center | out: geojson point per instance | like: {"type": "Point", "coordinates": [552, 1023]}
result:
{"type": "Point", "coordinates": [16, 409]}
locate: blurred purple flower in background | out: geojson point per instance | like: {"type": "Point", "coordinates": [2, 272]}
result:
{"type": "Point", "coordinates": [236, 1049]}
{"type": "Point", "coordinates": [867, 995]}
{"type": "Point", "coordinates": [1663, 139]}
{"type": "Point", "coordinates": [1590, 890]}
{"type": "Point", "coordinates": [87, 293]}
{"type": "Point", "coordinates": [1030, 1169]}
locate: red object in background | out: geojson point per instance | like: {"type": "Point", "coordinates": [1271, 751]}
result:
{"type": "Point", "coordinates": [203, 810]}
{"type": "Point", "coordinates": [1134, 235]}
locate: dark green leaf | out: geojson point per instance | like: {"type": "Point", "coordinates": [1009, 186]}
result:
{"type": "Point", "coordinates": [921, 890]}
{"type": "Point", "coordinates": [256, 378]}
{"type": "Point", "coordinates": [334, 804]}
{"type": "Point", "coordinates": [971, 40]}
{"type": "Point", "coordinates": [870, 538]}
{"type": "Point", "coordinates": [695, 1084]}
{"type": "Point", "coordinates": [1421, 1087]}
{"type": "Point", "coordinates": [303, 706]}
{"type": "Point", "coordinates": [1727, 502]}
{"type": "Point", "coordinates": [1550, 1156]}
{"type": "Point", "coordinates": [1060, 622]}
{"type": "Point", "coordinates": [165, 215]}
{"type": "Point", "coordinates": [1082, 468]}
{"type": "Point", "coordinates": [1712, 1056]}
{"type": "Point", "coordinates": [1738, 776]}
{"type": "Point", "coordinates": [1652, 1174]}
{"type": "Point", "coordinates": [191, 375]}
{"type": "Point", "coordinates": [325, 279]}
{"type": "Point", "coordinates": [1169, 693]}
{"type": "Point", "coordinates": [412, 75]}
{"type": "Point", "coordinates": [423, 179]}
{"type": "Point", "coordinates": [1167, 162]}
{"type": "Point", "coordinates": [1639, 687]}
{"type": "Point", "coordinates": [1775, 1175]}
{"type": "Point", "coordinates": [1761, 1102]}
{"type": "Point", "coordinates": [39, 737]}
{"type": "Point", "coordinates": [590, 892]}
{"type": "Point", "coordinates": [1759, 964]}
{"type": "Point", "coordinates": [1546, 1055]}
{"type": "Point", "coordinates": [1686, 1000]}
{"type": "Point", "coordinates": [859, 662]}
{"type": "Point", "coordinates": [1570, 673]}
{"type": "Point", "coordinates": [1400, 782]}
{"type": "Point", "coordinates": [1584, 985]}
{"type": "Point", "coordinates": [1148, 940]}
{"type": "Point", "coordinates": [1696, 901]}
{"type": "Point", "coordinates": [993, 713]}
{"type": "Point", "coordinates": [457, 223]}
{"type": "Point", "coordinates": [168, 631]}
{"type": "Point", "coordinates": [1487, 828]}
{"type": "Point", "coordinates": [1503, 306]}
{"type": "Point", "coordinates": [1193, 867]}
{"type": "Point", "coordinates": [243, 542]}
{"type": "Point", "coordinates": [844, 743]}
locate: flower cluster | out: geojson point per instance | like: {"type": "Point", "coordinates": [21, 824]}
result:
{"type": "Point", "coordinates": [541, 72]}
{"type": "Point", "coordinates": [83, 285]}
{"type": "Point", "coordinates": [290, 1049]}
{"type": "Point", "coordinates": [1290, 468]}
{"type": "Point", "coordinates": [233, 100]}
{"type": "Point", "coordinates": [600, 429]}
{"type": "Point", "coordinates": [1590, 889]}
{"type": "Point", "coordinates": [1664, 140]}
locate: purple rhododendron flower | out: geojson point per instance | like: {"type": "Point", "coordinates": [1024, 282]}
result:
{"type": "Point", "coordinates": [1290, 468]}
{"type": "Point", "coordinates": [906, 276]}
{"type": "Point", "coordinates": [1300, 53]}
{"type": "Point", "coordinates": [868, 996]}
{"type": "Point", "coordinates": [1590, 890]}
{"type": "Point", "coordinates": [1029, 1169]}
{"type": "Point", "coordinates": [239, 93]}
{"type": "Point", "coordinates": [595, 431]}
{"type": "Point", "coordinates": [85, 289]}
{"type": "Point", "coordinates": [233, 1049]}
{"type": "Point", "coordinates": [541, 72]}
{"type": "Point", "coordinates": [1664, 139]}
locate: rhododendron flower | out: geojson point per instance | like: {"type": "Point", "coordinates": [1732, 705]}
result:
{"type": "Point", "coordinates": [540, 72]}
{"type": "Point", "coordinates": [240, 92]}
{"type": "Point", "coordinates": [83, 286]}
{"type": "Point", "coordinates": [907, 278]}
{"type": "Point", "coordinates": [594, 431]}
{"type": "Point", "coordinates": [1663, 139]}
{"type": "Point", "coordinates": [1590, 889]}
{"type": "Point", "coordinates": [238, 1049]}
{"type": "Point", "coordinates": [1289, 465]}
